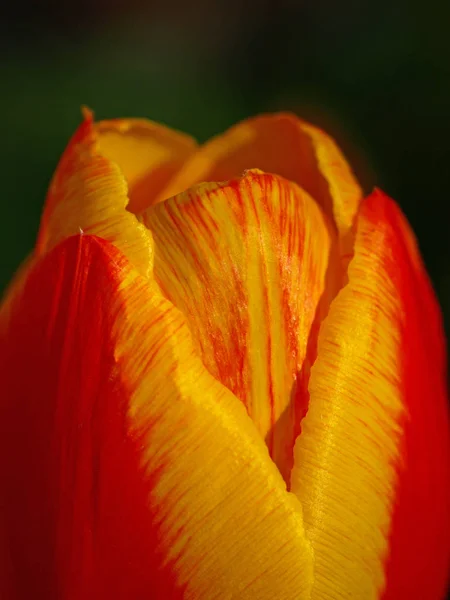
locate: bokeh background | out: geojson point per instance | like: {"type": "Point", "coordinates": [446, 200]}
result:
{"type": "Point", "coordinates": [374, 73]}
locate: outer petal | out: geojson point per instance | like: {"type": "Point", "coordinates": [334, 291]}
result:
{"type": "Point", "coordinates": [372, 463]}
{"type": "Point", "coordinates": [127, 471]}
{"type": "Point", "coordinates": [284, 145]}
{"type": "Point", "coordinates": [246, 262]}
{"type": "Point", "coordinates": [419, 565]}
{"type": "Point", "coordinates": [88, 193]}
{"type": "Point", "coordinates": [148, 154]}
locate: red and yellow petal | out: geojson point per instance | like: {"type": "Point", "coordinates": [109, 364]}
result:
{"type": "Point", "coordinates": [284, 145]}
{"type": "Point", "coordinates": [127, 470]}
{"type": "Point", "coordinates": [245, 262]}
{"type": "Point", "coordinates": [148, 154]}
{"type": "Point", "coordinates": [418, 565]}
{"type": "Point", "coordinates": [89, 194]}
{"type": "Point", "coordinates": [372, 465]}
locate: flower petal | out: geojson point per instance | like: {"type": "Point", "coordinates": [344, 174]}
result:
{"type": "Point", "coordinates": [128, 471]}
{"type": "Point", "coordinates": [88, 194]}
{"type": "Point", "coordinates": [372, 463]}
{"type": "Point", "coordinates": [419, 566]}
{"type": "Point", "coordinates": [148, 154]}
{"type": "Point", "coordinates": [284, 145]}
{"type": "Point", "coordinates": [245, 262]}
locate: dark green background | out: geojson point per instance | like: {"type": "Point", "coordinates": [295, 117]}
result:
{"type": "Point", "coordinates": [375, 73]}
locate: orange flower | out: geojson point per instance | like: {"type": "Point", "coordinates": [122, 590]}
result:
{"type": "Point", "coordinates": [221, 390]}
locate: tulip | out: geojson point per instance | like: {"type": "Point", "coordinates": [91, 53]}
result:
{"type": "Point", "coordinates": [221, 390]}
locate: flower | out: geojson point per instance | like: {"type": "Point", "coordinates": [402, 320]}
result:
{"type": "Point", "coordinates": [221, 390]}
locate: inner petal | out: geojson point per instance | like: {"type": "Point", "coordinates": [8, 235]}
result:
{"type": "Point", "coordinates": [148, 154]}
{"type": "Point", "coordinates": [245, 261]}
{"type": "Point", "coordinates": [284, 145]}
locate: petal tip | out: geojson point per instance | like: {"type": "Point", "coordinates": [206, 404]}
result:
{"type": "Point", "coordinates": [87, 113]}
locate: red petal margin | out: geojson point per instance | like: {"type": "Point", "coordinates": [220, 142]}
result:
{"type": "Point", "coordinates": [127, 471]}
{"type": "Point", "coordinates": [419, 560]}
{"type": "Point", "coordinates": [89, 194]}
{"type": "Point", "coordinates": [74, 518]}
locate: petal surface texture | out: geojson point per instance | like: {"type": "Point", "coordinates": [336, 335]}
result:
{"type": "Point", "coordinates": [284, 145]}
{"type": "Point", "coordinates": [245, 262]}
{"type": "Point", "coordinates": [148, 154]}
{"type": "Point", "coordinates": [89, 194]}
{"type": "Point", "coordinates": [372, 463]}
{"type": "Point", "coordinates": [127, 471]}
{"type": "Point", "coordinates": [419, 560]}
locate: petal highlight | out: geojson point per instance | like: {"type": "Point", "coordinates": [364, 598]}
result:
{"type": "Point", "coordinates": [370, 425]}
{"type": "Point", "coordinates": [128, 471]}
{"type": "Point", "coordinates": [89, 194]}
{"type": "Point", "coordinates": [284, 145]}
{"type": "Point", "coordinates": [245, 262]}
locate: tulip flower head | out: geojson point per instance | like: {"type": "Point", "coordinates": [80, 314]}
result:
{"type": "Point", "coordinates": [223, 376]}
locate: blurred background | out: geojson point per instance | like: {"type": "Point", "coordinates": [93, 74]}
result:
{"type": "Point", "coordinates": [374, 73]}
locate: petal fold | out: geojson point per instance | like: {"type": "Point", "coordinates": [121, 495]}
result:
{"type": "Point", "coordinates": [245, 262]}
{"type": "Point", "coordinates": [372, 464]}
{"type": "Point", "coordinates": [127, 470]}
{"type": "Point", "coordinates": [147, 153]}
{"type": "Point", "coordinates": [89, 194]}
{"type": "Point", "coordinates": [284, 145]}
